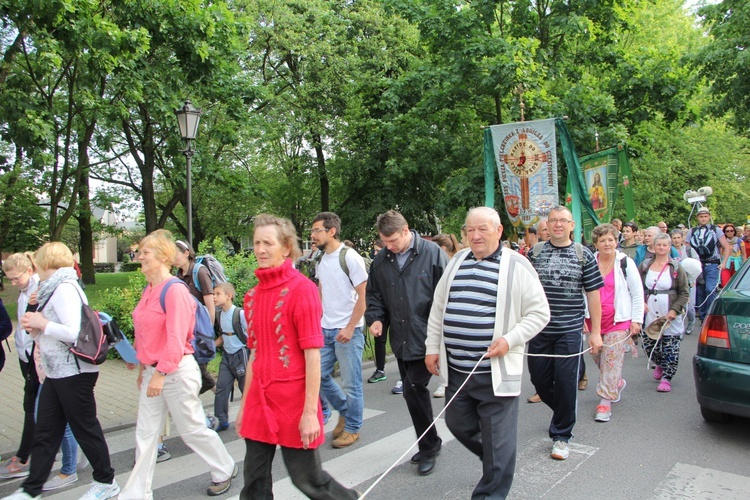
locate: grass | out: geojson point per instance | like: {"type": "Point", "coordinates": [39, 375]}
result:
{"type": "Point", "coordinates": [93, 292]}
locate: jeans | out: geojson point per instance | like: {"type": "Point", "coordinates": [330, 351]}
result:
{"type": "Point", "coordinates": [69, 445]}
{"type": "Point", "coordinates": [706, 292]}
{"type": "Point", "coordinates": [348, 399]}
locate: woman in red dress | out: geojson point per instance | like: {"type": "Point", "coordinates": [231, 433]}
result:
{"type": "Point", "coordinates": [280, 403]}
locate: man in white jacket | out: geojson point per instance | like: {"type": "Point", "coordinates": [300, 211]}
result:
{"type": "Point", "coordinates": [488, 302]}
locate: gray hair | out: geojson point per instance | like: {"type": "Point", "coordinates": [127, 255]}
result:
{"type": "Point", "coordinates": [662, 236]}
{"type": "Point", "coordinates": [488, 213]}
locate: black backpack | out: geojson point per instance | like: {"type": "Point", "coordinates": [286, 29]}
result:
{"type": "Point", "coordinates": [236, 324]}
{"type": "Point", "coordinates": [93, 339]}
{"type": "Point", "coordinates": [703, 241]}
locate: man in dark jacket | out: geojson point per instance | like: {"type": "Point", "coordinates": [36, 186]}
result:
{"type": "Point", "coordinates": [403, 278]}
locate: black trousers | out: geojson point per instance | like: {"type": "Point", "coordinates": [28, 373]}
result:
{"type": "Point", "coordinates": [30, 390]}
{"type": "Point", "coordinates": [415, 378]}
{"type": "Point", "coordinates": [304, 469]}
{"type": "Point", "coordinates": [379, 348]}
{"type": "Point", "coordinates": [67, 400]}
{"type": "Point", "coordinates": [556, 379]}
{"type": "Point", "coordinates": [487, 426]}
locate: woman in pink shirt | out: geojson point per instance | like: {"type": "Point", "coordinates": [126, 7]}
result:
{"type": "Point", "coordinates": [622, 315]}
{"type": "Point", "coordinates": [168, 376]}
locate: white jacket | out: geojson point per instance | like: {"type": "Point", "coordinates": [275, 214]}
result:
{"type": "Point", "coordinates": [521, 312]}
{"type": "Point", "coordinates": [628, 291]}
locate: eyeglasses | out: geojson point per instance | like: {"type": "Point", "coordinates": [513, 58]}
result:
{"type": "Point", "coordinates": [559, 221]}
{"type": "Point", "coordinates": [729, 231]}
{"type": "Point", "coordinates": [17, 279]}
{"type": "Point", "coordinates": [318, 230]}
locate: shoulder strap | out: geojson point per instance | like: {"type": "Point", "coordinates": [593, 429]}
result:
{"type": "Point", "coordinates": [342, 260]}
{"type": "Point", "coordinates": [237, 325]}
{"type": "Point", "coordinates": [624, 267]}
{"type": "Point", "coordinates": [536, 249]}
{"type": "Point", "coordinates": [163, 295]}
{"type": "Point", "coordinates": [579, 253]}
{"type": "Point", "coordinates": [196, 267]}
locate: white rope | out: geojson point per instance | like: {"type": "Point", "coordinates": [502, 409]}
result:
{"type": "Point", "coordinates": [398, 460]}
{"type": "Point", "coordinates": [426, 430]}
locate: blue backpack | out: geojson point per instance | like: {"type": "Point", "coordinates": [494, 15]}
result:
{"type": "Point", "coordinates": [204, 345]}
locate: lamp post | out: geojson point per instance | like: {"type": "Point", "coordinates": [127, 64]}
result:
{"type": "Point", "coordinates": [188, 118]}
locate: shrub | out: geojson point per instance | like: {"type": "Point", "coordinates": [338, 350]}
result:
{"type": "Point", "coordinates": [120, 302]}
{"type": "Point", "coordinates": [130, 266]}
{"type": "Point", "coordinates": [104, 267]}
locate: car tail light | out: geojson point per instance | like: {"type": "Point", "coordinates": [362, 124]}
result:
{"type": "Point", "coordinates": [715, 332]}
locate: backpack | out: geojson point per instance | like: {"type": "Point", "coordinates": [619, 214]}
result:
{"type": "Point", "coordinates": [342, 262]}
{"type": "Point", "coordinates": [703, 241]}
{"type": "Point", "coordinates": [536, 249]}
{"type": "Point", "coordinates": [214, 268]}
{"type": "Point", "coordinates": [204, 346]}
{"type": "Point", "coordinates": [93, 339]}
{"type": "Point", "coordinates": [236, 324]}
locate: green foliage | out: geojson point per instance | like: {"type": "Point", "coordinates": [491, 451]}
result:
{"type": "Point", "coordinates": [239, 268]}
{"type": "Point", "coordinates": [119, 302]}
{"type": "Point", "coordinates": [130, 266]}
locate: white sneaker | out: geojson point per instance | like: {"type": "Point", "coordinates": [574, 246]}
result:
{"type": "Point", "coordinates": [101, 491]}
{"type": "Point", "coordinates": [19, 494]}
{"type": "Point", "coordinates": [560, 450]}
{"type": "Point", "coordinates": [439, 392]}
{"type": "Point", "coordinates": [59, 481]}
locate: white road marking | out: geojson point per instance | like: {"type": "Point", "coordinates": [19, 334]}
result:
{"type": "Point", "coordinates": [690, 481]}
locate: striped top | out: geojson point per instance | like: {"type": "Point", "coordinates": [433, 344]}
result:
{"type": "Point", "coordinates": [469, 321]}
{"type": "Point", "coordinates": [565, 279]}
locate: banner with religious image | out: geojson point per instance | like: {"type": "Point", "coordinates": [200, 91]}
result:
{"type": "Point", "coordinates": [526, 160]}
{"type": "Point", "coordinates": [604, 174]}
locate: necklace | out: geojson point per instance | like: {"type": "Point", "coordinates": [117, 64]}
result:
{"type": "Point", "coordinates": [605, 270]}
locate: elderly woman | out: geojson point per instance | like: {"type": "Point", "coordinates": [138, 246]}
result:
{"type": "Point", "coordinates": [280, 404]}
{"type": "Point", "coordinates": [169, 377]}
{"type": "Point", "coordinates": [665, 286]}
{"type": "Point", "coordinates": [68, 391]}
{"type": "Point", "coordinates": [622, 314]}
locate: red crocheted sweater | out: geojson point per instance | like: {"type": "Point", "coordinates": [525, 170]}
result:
{"type": "Point", "coordinates": [283, 319]}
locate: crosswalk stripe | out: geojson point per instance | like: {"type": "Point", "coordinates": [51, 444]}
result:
{"type": "Point", "coordinates": [180, 468]}
{"type": "Point", "coordinates": [362, 463]}
{"type": "Point", "coordinates": [690, 481]}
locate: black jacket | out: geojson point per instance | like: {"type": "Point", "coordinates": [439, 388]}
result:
{"type": "Point", "coordinates": [402, 300]}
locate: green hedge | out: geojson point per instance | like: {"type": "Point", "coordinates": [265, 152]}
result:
{"type": "Point", "coordinates": [130, 266]}
{"type": "Point", "coordinates": [120, 302]}
{"type": "Point", "coordinates": [104, 267]}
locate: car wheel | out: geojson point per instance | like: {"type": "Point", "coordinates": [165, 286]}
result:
{"type": "Point", "coordinates": [714, 416]}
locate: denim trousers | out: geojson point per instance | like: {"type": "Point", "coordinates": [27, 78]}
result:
{"type": "Point", "coordinates": [69, 445]}
{"type": "Point", "coordinates": [348, 399]}
{"type": "Point", "coordinates": [705, 294]}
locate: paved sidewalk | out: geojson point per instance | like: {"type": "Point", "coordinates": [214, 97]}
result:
{"type": "Point", "coordinates": [115, 391]}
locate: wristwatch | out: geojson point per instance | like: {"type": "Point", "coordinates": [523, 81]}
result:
{"type": "Point", "coordinates": [161, 373]}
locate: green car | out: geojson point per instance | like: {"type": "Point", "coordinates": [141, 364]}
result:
{"type": "Point", "coordinates": [721, 367]}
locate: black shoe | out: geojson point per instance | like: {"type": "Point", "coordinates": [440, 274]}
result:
{"type": "Point", "coordinates": [417, 457]}
{"type": "Point", "coordinates": [426, 465]}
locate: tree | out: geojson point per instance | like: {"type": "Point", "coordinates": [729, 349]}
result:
{"type": "Point", "coordinates": [725, 60]}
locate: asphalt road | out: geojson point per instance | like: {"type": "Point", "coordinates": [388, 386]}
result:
{"type": "Point", "coordinates": [656, 446]}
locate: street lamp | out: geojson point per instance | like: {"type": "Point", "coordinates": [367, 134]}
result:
{"type": "Point", "coordinates": [188, 118]}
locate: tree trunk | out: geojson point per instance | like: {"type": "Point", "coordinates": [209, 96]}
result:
{"type": "Point", "coordinates": [322, 174]}
{"type": "Point", "coordinates": [84, 213]}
